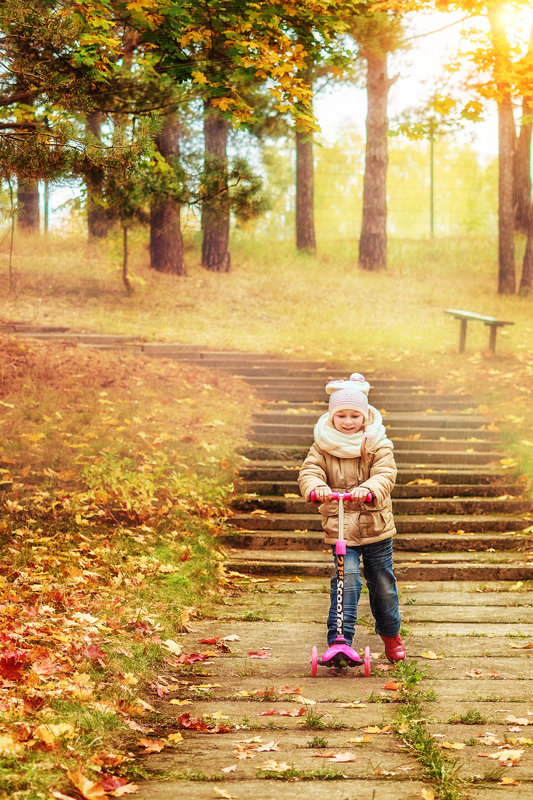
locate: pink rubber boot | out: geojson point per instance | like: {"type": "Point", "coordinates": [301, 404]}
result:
{"type": "Point", "coordinates": [394, 649]}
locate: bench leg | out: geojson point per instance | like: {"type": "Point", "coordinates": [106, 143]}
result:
{"type": "Point", "coordinates": [492, 338]}
{"type": "Point", "coordinates": [462, 335]}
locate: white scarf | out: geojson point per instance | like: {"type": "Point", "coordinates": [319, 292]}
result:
{"type": "Point", "coordinates": [344, 445]}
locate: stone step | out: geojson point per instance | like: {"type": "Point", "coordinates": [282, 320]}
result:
{"type": "Point", "coordinates": [403, 456]}
{"type": "Point", "coordinates": [452, 425]}
{"type": "Point", "coordinates": [454, 473]}
{"type": "Point", "coordinates": [305, 541]}
{"type": "Point", "coordinates": [315, 383]}
{"type": "Point", "coordinates": [443, 523]}
{"type": "Point", "coordinates": [92, 339]}
{"type": "Point", "coordinates": [28, 329]}
{"type": "Point", "coordinates": [282, 488]}
{"type": "Point", "coordinates": [438, 444]}
{"type": "Point", "coordinates": [303, 413]}
{"type": "Point", "coordinates": [290, 429]}
{"type": "Point", "coordinates": [405, 506]}
{"type": "Point", "coordinates": [387, 401]}
{"type": "Point", "coordinates": [434, 566]}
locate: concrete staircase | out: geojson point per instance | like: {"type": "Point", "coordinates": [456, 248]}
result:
{"type": "Point", "coordinates": [460, 514]}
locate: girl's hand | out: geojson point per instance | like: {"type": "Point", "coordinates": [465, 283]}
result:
{"type": "Point", "coordinates": [323, 493]}
{"type": "Point", "coordinates": [359, 494]}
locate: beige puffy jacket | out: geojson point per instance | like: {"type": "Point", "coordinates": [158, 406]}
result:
{"type": "Point", "coordinates": [363, 523]}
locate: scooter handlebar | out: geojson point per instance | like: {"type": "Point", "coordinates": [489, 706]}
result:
{"type": "Point", "coordinates": [346, 497]}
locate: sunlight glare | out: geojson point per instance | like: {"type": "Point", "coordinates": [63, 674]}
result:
{"type": "Point", "coordinates": [518, 26]}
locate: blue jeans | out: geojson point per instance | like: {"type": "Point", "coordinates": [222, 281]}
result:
{"type": "Point", "coordinates": [379, 577]}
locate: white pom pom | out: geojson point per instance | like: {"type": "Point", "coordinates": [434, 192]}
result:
{"type": "Point", "coordinates": [360, 383]}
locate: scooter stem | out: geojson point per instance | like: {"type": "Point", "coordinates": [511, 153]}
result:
{"type": "Point", "coordinates": [340, 545]}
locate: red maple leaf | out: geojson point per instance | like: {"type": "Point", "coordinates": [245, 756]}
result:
{"type": "Point", "coordinates": [12, 662]}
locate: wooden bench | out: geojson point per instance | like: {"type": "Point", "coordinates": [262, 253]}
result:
{"type": "Point", "coordinates": [469, 316]}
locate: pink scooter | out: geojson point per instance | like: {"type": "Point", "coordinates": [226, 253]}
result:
{"type": "Point", "coordinates": [340, 654]}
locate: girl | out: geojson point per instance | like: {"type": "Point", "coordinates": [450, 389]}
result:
{"type": "Point", "coordinates": [351, 453]}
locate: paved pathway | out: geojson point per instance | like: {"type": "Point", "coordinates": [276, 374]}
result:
{"type": "Point", "coordinates": [461, 518]}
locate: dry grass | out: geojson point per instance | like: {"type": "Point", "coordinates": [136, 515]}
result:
{"type": "Point", "coordinates": [273, 300]}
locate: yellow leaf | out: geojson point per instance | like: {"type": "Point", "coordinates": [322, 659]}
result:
{"type": "Point", "coordinates": [173, 646]}
{"type": "Point", "coordinates": [49, 734]}
{"type": "Point", "coordinates": [221, 102]}
{"type": "Point", "coordinates": [175, 738]}
{"type": "Point", "coordinates": [453, 745]}
{"type": "Point", "coordinates": [8, 746]}
{"type": "Point", "coordinates": [427, 794]}
{"type": "Point", "coordinates": [429, 654]}
{"type": "Point", "coordinates": [199, 77]}
{"type": "Point", "coordinates": [223, 793]}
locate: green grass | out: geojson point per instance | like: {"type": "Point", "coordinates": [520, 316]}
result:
{"type": "Point", "coordinates": [440, 771]}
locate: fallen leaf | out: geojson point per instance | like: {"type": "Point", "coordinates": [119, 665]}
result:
{"type": "Point", "coordinates": [427, 794]}
{"type": "Point", "coordinates": [88, 789]}
{"type": "Point", "coordinates": [49, 734]}
{"type": "Point", "coordinates": [8, 745]}
{"type": "Point", "coordinates": [377, 729]}
{"type": "Point", "coordinates": [259, 655]}
{"type": "Point", "coordinates": [429, 654]}
{"type": "Point", "coordinates": [223, 793]}
{"type": "Point", "coordinates": [268, 747]}
{"type": "Point", "coordinates": [341, 758]}
{"type": "Point", "coordinates": [393, 686]}
{"type": "Point", "coordinates": [453, 745]}
{"type": "Point", "coordinates": [152, 745]}
{"type": "Point", "coordinates": [508, 782]}
{"type": "Point", "coordinates": [273, 712]}
{"type": "Point", "coordinates": [173, 646]}
{"type": "Point", "coordinates": [274, 766]}
{"type": "Point", "coordinates": [517, 720]}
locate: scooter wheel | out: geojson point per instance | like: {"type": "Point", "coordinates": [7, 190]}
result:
{"type": "Point", "coordinates": [367, 662]}
{"type": "Point", "coordinates": [314, 662]}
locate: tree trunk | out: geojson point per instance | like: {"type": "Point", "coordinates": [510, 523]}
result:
{"type": "Point", "coordinates": [506, 140]}
{"type": "Point", "coordinates": [166, 243]}
{"type": "Point", "coordinates": [522, 159]}
{"type": "Point", "coordinates": [215, 206]}
{"type": "Point", "coordinates": [522, 167]}
{"type": "Point", "coordinates": [97, 216]}
{"type": "Point", "coordinates": [373, 241]}
{"type": "Point", "coordinates": [305, 203]}
{"type": "Point", "coordinates": [46, 207]}
{"type": "Point", "coordinates": [28, 205]}
{"type": "Point", "coordinates": [506, 263]}
{"type": "Point", "coordinates": [526, 281]}
{"type": "Point", "coordinates": [305, 223]}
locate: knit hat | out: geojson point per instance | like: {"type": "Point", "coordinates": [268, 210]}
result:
{"type": "Point", "coordinates": [350, 394]}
